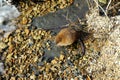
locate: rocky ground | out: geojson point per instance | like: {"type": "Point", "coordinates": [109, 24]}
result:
{"type": "Point", "coordinates": [30, 53]}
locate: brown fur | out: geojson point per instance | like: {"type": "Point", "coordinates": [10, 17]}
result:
{"type": "Point", "coordinates": [66, 36]}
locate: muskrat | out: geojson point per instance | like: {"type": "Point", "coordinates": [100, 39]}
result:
{"type": "Point", "coordinates": [68, 36]}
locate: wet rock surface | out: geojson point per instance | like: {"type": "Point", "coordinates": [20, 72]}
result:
{"type": "Point", "coordinates": [62, 17]}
